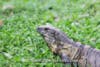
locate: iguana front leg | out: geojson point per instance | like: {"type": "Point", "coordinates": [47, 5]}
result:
{"type": "Point", "coordinates": [65, 59]}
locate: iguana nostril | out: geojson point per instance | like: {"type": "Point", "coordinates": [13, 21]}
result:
{"type": "Point", "coordinates": [38, 29]}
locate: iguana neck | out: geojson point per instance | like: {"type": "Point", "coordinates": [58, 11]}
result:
{"type": "Point", "coordinates": [77, 50]}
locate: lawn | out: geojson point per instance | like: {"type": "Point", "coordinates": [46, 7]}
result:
{"type": "Point", "coordinates": [21, 44]}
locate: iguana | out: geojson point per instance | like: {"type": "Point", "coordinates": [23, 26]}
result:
{"type": "Point", "coordinates": [67, 49]}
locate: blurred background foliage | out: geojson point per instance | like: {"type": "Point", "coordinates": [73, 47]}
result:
{"type": "Point", "coordinates": [20, 44]}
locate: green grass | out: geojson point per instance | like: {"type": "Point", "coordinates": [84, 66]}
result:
{"type": "Point", "coordinates": [20, 43]}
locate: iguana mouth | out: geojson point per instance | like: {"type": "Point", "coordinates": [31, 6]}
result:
{"type": "Point", "coordinates": [41, 32]}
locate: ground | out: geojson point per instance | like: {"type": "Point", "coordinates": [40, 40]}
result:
{"type": "Point", "coordinates": [21, 44]}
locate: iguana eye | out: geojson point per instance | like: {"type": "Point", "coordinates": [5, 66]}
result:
{"type": "Point", "coordinates": [46, 28]}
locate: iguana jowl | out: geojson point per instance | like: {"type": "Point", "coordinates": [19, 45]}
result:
{"type": "Point", "coordinates": [67, 49]}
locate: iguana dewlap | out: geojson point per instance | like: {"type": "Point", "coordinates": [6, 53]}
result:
{"type": "Point", "coordinates": [68, 50]}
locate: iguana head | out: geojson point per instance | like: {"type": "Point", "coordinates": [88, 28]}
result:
{"type": "Point", "coordinates": [52, 35]}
